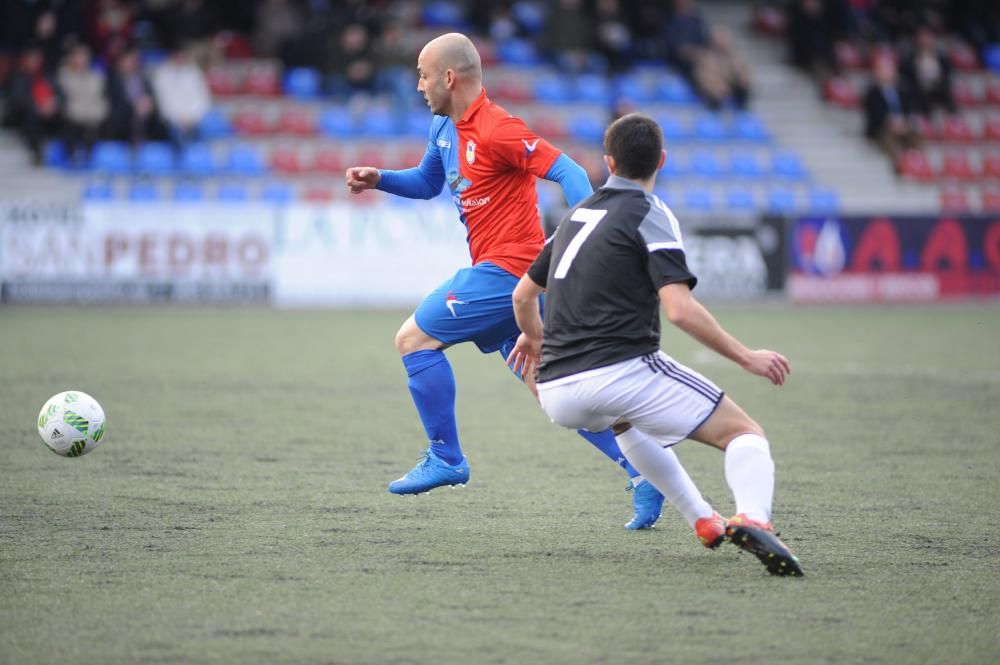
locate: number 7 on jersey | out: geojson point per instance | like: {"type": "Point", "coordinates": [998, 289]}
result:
{"type": "Point", "coordinates": [590, 218]}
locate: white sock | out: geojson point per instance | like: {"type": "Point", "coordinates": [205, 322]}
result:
{"type": "Point", "coordinates": [661, 467]}
{"type": "Point", "coordinates": [750, 475]}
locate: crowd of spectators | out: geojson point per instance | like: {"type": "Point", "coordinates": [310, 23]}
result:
{"type": "Point", "coordinates": [909, 84]}
{"type": "Point", "coordinates": [88, 70]}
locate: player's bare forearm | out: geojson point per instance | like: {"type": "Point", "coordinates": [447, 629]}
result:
{"type": "Point", "coordinates": [685, 312]}
{"type": "Point", "coordinates": [526, 355]}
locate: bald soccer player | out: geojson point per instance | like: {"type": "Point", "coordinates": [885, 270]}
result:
{"type": "Point", "coordinates": [490, 160]}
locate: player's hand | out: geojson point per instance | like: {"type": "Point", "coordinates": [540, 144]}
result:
{"type": "Point", "coordinates": [525, 356]}
{"type": "Point", "coordinates": [360, 178]}
{"type": "Point", "coordinates": [769, 364]}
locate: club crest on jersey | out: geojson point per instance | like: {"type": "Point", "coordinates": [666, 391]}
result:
{"type": "Point", "coordinates": [470, 152]}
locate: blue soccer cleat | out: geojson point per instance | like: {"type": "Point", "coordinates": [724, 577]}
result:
{"type": "Point", "coordinates": [430, 473]}
{"type": "Point", "coordinates": [648, 503]}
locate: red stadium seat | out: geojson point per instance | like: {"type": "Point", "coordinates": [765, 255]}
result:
{"type": "Point", "coordinates": [297, 122]}
{"type": "Point", "coordinates": [512, 90]}
{"type": "Point", "coordinates": [286, 160]}
{"type": "Point", "coordinates": [965, 94]}
{"type": "Point", "coordinates": [957, 166]}
{"type": "Point", "coordinates": [251, 122]}
{"type": "Point", "coordinates": [223, 81]}
{"type": "Point", "coordinates": [962, 57]}
{"type": "Point", "coordinates": [914, 164]}
{"type": "Point", "coordinates": [318, 194]}
{"type": "Point", "coordinates": [410, 157]}
{"type": "Point", "coordinates": [990, 200]}
{"type": "Point", "coordinates": [263, 80]}
{"type": "Point", "coordinates": [957, 130]}
{"type": "Point", "coordinates": [954, 200]}
{"type": "Point", "coordinates": [841, 92]}
{"type": "Point", "coordinates": [849, 56]}
{"type": "Point", "coordinates": [927, 130]}
{"type": "Point", "coordinates": [991, 129]}
{"type": "Point", "coordinates": [369, 156]}
{"type": "Point", "coordinates": [991, 167]}
{"type": "Point", "coordinates": [993, 91]}
{"type": "Point", "coordinates": [549, 126]}
{"type": "Point", "coordinates": [328, 160]}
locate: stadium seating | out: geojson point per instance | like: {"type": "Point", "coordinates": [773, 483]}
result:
{"type": "Point", "coordinates": [112, 158]}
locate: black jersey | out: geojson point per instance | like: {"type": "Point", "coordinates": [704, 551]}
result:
{"type": "Point", "coordinates": [603, 268]}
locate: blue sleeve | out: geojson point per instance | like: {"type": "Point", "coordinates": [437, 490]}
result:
{"type": "Point", "coordinates": [572, 178]}
{"type": "Point", "coordinates": [422, 182]}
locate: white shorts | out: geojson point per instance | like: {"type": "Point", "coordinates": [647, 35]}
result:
{"type": "Point", "coordinates": [655, 393]}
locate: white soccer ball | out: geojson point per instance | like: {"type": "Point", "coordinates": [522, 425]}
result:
{"type": "Point", "coordinates": [71, 423]}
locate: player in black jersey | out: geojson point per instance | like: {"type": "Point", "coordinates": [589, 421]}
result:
{"type": "Point", "coordinates": [612, 262]}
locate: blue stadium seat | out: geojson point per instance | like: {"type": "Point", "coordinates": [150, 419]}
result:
{"type": "Point", "coordinates": [708, 127]}
{"type": "Point", "coordinates": [54, 155]}
{"type": "Point", "coordinates": [822, 200]}
{"type": "Point", "coordinates": [552, 89]}
{"type": "Point", "coordinates": [781, 201]}
{"type": "Point", "coordinates": [699, 200]}
{"type": "Point", "coordinates": [232, 193]}
{"type": "Point", "coordinates": [706, 165]}
{"type": "Point", "coordinates": [277, 193]}
{"type": "Point", "coordinates": [111, 157]}
{"type": "Point", "coordinates": [586, 128]}
{"type": "Point", "coordinates": [788, 165]}
{"type": "Point", "coordinates": [740, 200]}
{"type": "Point", "coordinates": [302, 83]}
{"type": "Point", "coordinates": [214, 125]}
{"type": "Point", "coordinates": [745, 165]}
{"type": "Point", "coordinates": [442, 15]}
{"type": "Point", "coordinates": [637, 89]}
{"type": "Point", "coordinates": [188, 192]}
{"type": "Point", "coordinates": [245, 159]}
{"type": "Point", "coordinates": [339, 123]}
{"type": "Point", "coordinates": [673, 129]}
{"type": "Point", "coordinates": [196, 160]}
{"type": "Point", "coordinates": [518, 53]}
{"type": "Point", "coordinates": [593, 88]}
{"type": "Point", "coordinates": [418, 124]}
{"type": "Point", "coordinates": [748, 127]}
{"type": "Point", "coordinates": [673, 89]}
{"type": "Point", "coordinates": [142, 191]}
{"type": "Point", "coordinates": [98, 191]}
{"type": "Point", "coordinates": [530, 16]}
{"type": "Point", "coordinates": [380, 122]}
{"type": "Point", "coordinates": [674, 167]}
{"type": "Point", "coordinates": [154, 159]}
{"type": "Point", "coordinates": [991, 58]}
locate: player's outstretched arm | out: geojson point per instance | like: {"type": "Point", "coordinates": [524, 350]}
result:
{"type": "Point", "coordinates": [421, 182]}
{"type": "Point", "coordinates": [685, 312]}
{"type": "Point", "coordinates": [527, 352]}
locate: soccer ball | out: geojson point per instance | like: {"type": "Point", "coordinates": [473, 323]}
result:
{"type": "Point", "coordinates": [71, 423]}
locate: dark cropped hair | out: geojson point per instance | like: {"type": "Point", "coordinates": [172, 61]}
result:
{"type": "Point", "coordinates": [635, 142]}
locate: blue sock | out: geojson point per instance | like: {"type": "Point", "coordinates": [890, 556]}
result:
{"type": "Point", "coordinates": [606, 443]}
{"type": "Point", "coordinates": [432, 386]}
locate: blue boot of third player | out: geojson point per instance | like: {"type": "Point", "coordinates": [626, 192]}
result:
{"type": "Point", "coordinates": [648, 503]}
{"type": "Point", "coordinates": [430, 473]}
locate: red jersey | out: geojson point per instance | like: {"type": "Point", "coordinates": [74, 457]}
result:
{"type": "Point", "coordinates": [491, 170]}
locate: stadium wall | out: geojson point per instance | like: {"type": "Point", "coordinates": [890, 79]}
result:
{"type": "Point", "coordinates": [386, 254]}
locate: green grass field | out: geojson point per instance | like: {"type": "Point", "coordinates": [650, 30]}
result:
{"type": "Point", "coordinates": [237, 513]}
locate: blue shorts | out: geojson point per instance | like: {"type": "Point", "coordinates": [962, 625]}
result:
{"type": "Point", "coordinates": [473, 306]}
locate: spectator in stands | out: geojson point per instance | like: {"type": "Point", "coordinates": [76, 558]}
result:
{"type": "Point", "coordinates": [886, 110]}
{"type": "Point", "coordinates": [182, 95]}
{"type": "Point", "coordinates": [926, 75]}
{"type": "Point", "coordinates": [393, 58]}
{"type": "Point", "coordinates": [568, 37]}
{"type": "Point", "coordinates": [613, 38]}
{"type": "Point", "coordinates": [277, 22]}
{"type": "Point", "coordinates": [687, 35]}
{"type": "Point", "coordinates": [721, 74]}
{"type": "Point", "coordinates": [811, 35]}
{"type": "Point", "coordinates": [109, 28]}
{"type": "Point", "coordinates": [134, 117]}
{"type": "Point", "coordinates": [349, 62]}
{"type": "Point", "coordinates": [34, 102]}
{"type": "Point", "coordinates": [192, 23]}
{"type": "Point", "coordinates": [85, 104]}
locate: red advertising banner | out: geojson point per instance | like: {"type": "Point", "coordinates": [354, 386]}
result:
{"type": "Point", "coordinates": [893, 259]}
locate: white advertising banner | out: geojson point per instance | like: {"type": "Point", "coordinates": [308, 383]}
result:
{"type": "Point", "coordinates": [384, 255]}
{"type": "Point", "coordinates": [137, 252]}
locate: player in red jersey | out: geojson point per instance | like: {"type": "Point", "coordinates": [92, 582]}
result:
{"type": "Point", "coordinates": [490, 160]}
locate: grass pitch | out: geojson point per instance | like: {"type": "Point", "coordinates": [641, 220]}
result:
{"type": "Point", "coordinates": [237, 513]}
